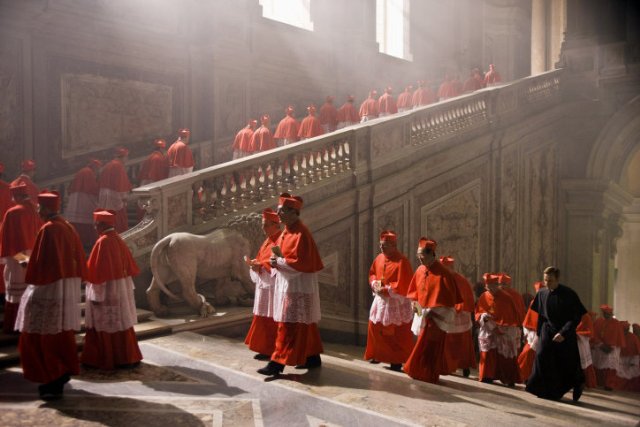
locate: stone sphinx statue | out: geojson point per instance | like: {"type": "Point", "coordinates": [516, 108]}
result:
{"type": "Point", "coordinates": [218, 256]}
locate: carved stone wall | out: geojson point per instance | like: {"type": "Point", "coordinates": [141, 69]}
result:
{"type": "Point", "coordinates": [11, 103]}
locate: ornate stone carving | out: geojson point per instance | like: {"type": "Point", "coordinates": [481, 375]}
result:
{"type": "Point", "coordinates": [509, 213]}
{"type": "Point", "coordinates": [454, 222]}
{"type": "Point", "coordinates": [336, 286]}
{"type": "Point", "coordinates": [100, 112]}
{"type": "Point", "coordinates": [177, 211]}
{"type": "Point", "coordinates": [11, 106]}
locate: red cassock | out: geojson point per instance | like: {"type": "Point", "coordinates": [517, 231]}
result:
{"type": "Point", "coordinates": [448, 90]}
{"type": "Point", "coordinates": [369, 108]}
{"type": "Point", "coordinates": [423, 96]}
{"type": "Point", "coordinates": [387, 104]}
{"type": "Point", "coordinates": [518, 302]}
{"type": "Point", "coordinates": [82, 201]}
{"type": "Point", "coordinates": [263, 331]}
{"type": "Point", "coordinates": [242, 141]}
{"type": "Point", "coordinates": [629, 380]}
{"type": "Point", "coordinates": [431, 287]}
{"type": "Point", "coordinates": [154, 168]}
{"type": "Point", "coordinates": [347, 114]}
{"type": "Point", "coordinates": [459, 349]}
{"type": "Point", "coordinates": [528, 355]}
{"type": "Point", "coordinates": [493, 364]}
{"type": "Point", "coordinates": [32, 189]}
{"type": "Point", "coordinates": [17, 234]}
{"type": "Point", "coordinates": [391, 343]}
{"type": "Point", "coordinates": [6, 202]}
{"type": "Point", "coordinates": [297, 341]}
{"type": "Point", "coordinates": [105, 348]}
{"type": "Point", "coordinates": [288, 129]}
{"type": "Point", "coordinates": [310, 127]}
{"type": "Point", "coordinates": [57, 255]}
{"type": "Point", "coordinates": [328, 116]}
{"type": "Point", "coordinates": [113, 182]}
{"type": "Point", "coordinates": [473, 83]}
{"type": "Point", "coordinates": [404, 100]}
{"type": "Point", "coordinates": [180, 155]}
{"type": "Point", "coordinates": [262, 140]}
{"type": "Point", "coordinates": [607, 332]}
{"type": "Point", "coordinates": [584, 333]}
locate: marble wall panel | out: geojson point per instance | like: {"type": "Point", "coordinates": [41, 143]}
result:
{"type": "Point", "coordinates": [230, 92]}
{"type": "Point", "coordinates": [177, 211]}
{"type": "Point", "coordinates": [336, 285]}
{"type": "Point", "coordinates": [540, 229]}
{"type": "Point", "coordinates": [100, 112]}
{"type": "Point", "coordinates": [508, 241]}
{"type": "Point", "coordinates": [454, 221]}
{"type": "Point", "coordinates": [389, 140]}
{"type": "Point", "coordinates": [12, 144]}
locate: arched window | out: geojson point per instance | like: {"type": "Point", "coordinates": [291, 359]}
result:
{"type": "Point", "coordinates": [292, 12]}
{"type": "Point", "coordinates": [392, 28]}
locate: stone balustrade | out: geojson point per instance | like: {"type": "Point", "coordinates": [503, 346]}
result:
{"type": "Point", "coordinates": [206, 199]}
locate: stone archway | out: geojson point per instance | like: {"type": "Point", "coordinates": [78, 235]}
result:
{"type": "Point", "coordinates": [615, 160]}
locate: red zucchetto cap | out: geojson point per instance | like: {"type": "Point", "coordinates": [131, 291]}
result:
{"type": "Point", "coordinates": [447, 261]}
{"type": "Point", "coordinates": [95, 163]}
{"type": "Point", "coordinates": [121, 152]}
{"type": "Point", "coordinates": [425, 243]}
{"type": "Point", "coordinates": [504, 279]}
{"type": "Point", "coordinates": [49, 200]}
{"type": "Point", "coordinates": [606, 308]}
{"type": "Point", "coordinates": [539, 285]}
{"type": "Point", "coordinates": [287, 200]}
{"type": "Point", "coordinates": [28, 165]}
{"type": "Point", "coordinates": [19, 189]}
{"type": "Point", "coordinates": [106, 216]}
{"type": "Point", "coordinates": [490, 278]}
{"type": "Point", "coordinates": [270, 215]}
{"type": "Point", "coordinates": [388, 236]}
{"type": "Point", "coordinates": [184, 133]}
{"type": "Point", "coordinates": [159, 143]}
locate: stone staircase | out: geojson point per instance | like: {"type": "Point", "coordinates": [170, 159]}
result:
{"type": "Point", "coordinates": [233, 319]}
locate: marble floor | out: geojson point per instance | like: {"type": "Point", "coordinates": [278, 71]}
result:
{"type": "Point", "coordinates": [189, 379]}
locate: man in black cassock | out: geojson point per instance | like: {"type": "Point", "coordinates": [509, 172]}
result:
{"type": "Point", "coordinates": [557, 369]}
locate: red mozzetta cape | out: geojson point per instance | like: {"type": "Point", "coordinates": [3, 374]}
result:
{"type": "Point", "coordinates": [369, 107]}
{"type": "Point", "coordinates": [499, 306]}
{"type": "Point", "coordinates": [180, 155]}
{"type": "Point", "coordinates": [632, 346]}
{"type": "Point", "coordinates": [518, 302]}
{"type": "Point", "coordinates": [348, 113]}
{"type": "Point", "coordinates": [434, 286]}
{"type": "Point", "coordinates": [6, 201]}
{"type": "Point", "coordinates": [386, 104]}
{"type": "Point", "coordinates": [32, 189]}
{"type": "Point", "coordinates": [242, 142]}
{"type": "Point", "coordinates": [310, 127]}
{"type": "Point", "coordinates": [404, 99]}
{"type": "Point", "coordinates": [394, 271]}
{"type": "Point", "coordinates": [585, 327]}
{"type": "Point", "coordinates": [531, 319]}
{"type": "Point", "coordinates": [299, 249]}
{"type": "Point", "coordinates": [85, 181]}
{"type": "Point", "coordinates": [110, 259]}
{"type": "Point", "coordinates": [57, 254]}
{"type": "Point", "coordinates": [154, 168]}
{"type": "Point", "coordinates": [264, 253]}
{"type": "Point", "coordinates": [468, 303]}
{"type": "Point", "coordinates": [262, 140]}
{"type": "Point", "coordinates": [423, 96]}
{"type": "Point", "coordinates": [609, 332]}
{"type": "Point", "coordinates": [114, 177]}
{"type": "Point", "coordinates": [328, 115]}
{"type": "Point", "coordinates": [288, 128]}
{"type": "Point", "coordinates": [19, 229]}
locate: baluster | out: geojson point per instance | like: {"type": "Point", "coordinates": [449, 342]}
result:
{"type": "Point", "coordinates": [295, 171]}
{"type": "Point", "coordinates": [334, 169]}
{"type": "Point", "coordinates": [346, 157]}
{"type": "Point", "coordinates": [233, 194]}
{"type": "Point", "coordinates": [224, 197]}
{"type": "Point", "coordinates": [325, 163]}
{"type": "Point", "coordinates": [243, 191]}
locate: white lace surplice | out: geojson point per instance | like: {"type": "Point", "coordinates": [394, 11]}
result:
{"type": "Point", "coordinates": [14, 279]}
{"type": "Point", "coordinates": [585, 351]}
{"type": "Point", "coordinates": [111, 306]}
{"type": "Point", "coordinates": [392, 310]}
{"type": "Point", "coordinates": [50, 308]}
{"type": "Point", "coordinates": [80, 207]}
{"type": "Point", "coordinates": [263, 300]}
{"type": "Point", "coordinates": [296, 295]}
{"type": "Point", "coordinates": [175, 171]}
{"type": "Point", "coordinates": [602, 360]}
{"type": "Point", "coordinates": [109, 199]}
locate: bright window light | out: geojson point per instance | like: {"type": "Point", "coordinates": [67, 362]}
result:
{"type": "Point", "coordinates": [292, 12]}
{"type": "Point", "coordinates": [392, 28]}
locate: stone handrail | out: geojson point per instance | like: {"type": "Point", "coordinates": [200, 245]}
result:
{"type": "Point", "coordinates": [206, 199]}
